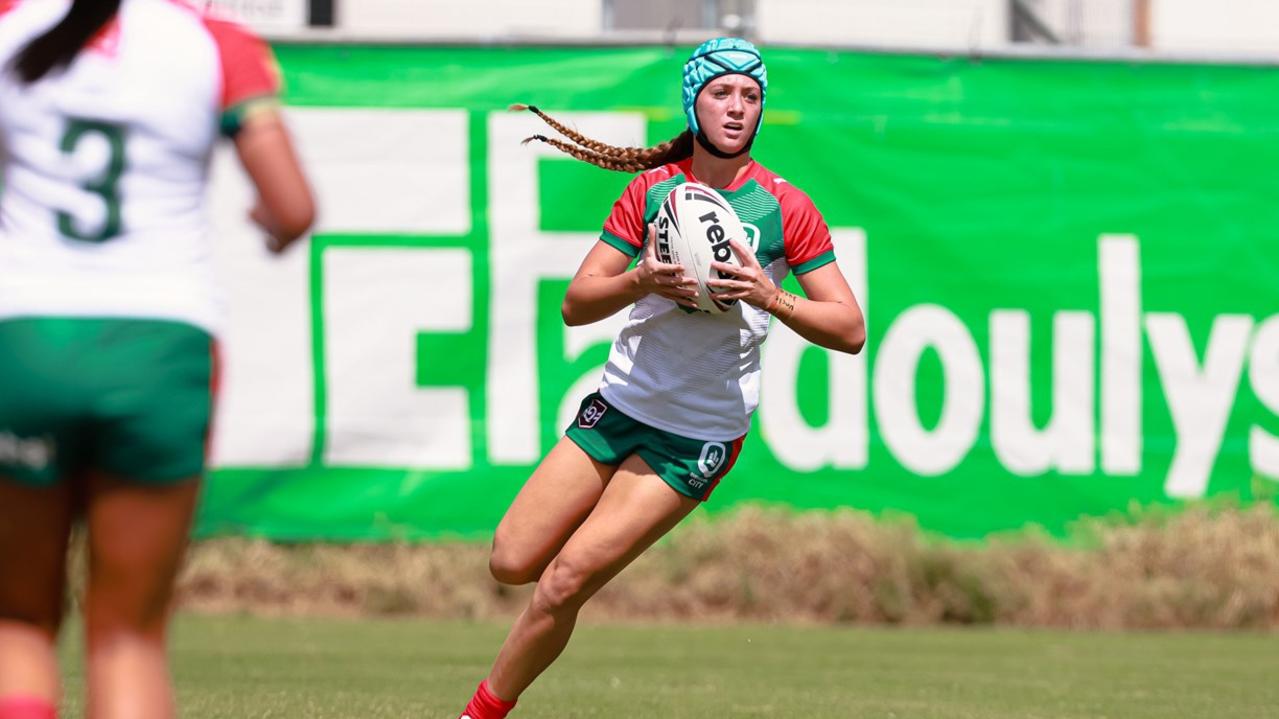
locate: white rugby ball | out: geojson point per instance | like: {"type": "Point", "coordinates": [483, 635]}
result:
{"type": "Point", "coordinates": [694, 226]}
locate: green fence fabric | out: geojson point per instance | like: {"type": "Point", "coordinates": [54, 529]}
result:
{"type": "Point", "coordinates": [1070, 271]}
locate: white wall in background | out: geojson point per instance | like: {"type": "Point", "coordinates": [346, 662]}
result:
{"type": "Point", "coordinates": [959, 24]}
{"type": "Point", "coordinates": [268, 16]}
{"type": "Point", "coordinates": [1219, 26]}
{"type": "Point", "coordinates": [475, 19]}
{"type": "Point", "coordinates": [1250, 26]}
{"type": "Point", "coordinates": [1088, 23]}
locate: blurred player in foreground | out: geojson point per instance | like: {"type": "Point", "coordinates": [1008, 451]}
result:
{"type": "Point", "coordinates": [109, 110]}
{"type": "Point", "coordinates": [680, 387]}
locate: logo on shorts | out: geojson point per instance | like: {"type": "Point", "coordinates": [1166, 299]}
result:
{"type": "Point", "coordinates": [712, 460]}
{"type": "Point", "coordinates": [591, 414]}
{"type": "Point", "coordinates": [33, 453]}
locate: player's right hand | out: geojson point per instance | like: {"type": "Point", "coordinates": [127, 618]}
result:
{"type": "Point", "coordinates": [655, 277]}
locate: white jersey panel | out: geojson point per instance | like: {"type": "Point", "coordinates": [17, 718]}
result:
{"type": "Point", "coordinates": [103, 210]}
{"type": "Point", "coordinates": [693, 374]}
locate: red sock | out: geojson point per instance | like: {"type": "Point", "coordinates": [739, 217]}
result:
{"type": "Point", "coordinates": [27, 708]}
{"type": "Point", "coordinates": [484, 705]}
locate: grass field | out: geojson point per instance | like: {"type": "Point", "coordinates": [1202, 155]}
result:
{"type": "Point", "coordinates": [242, 668]}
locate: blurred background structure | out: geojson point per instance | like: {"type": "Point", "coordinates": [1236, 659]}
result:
{"type": "Point", "coordinates": [1167, 26]}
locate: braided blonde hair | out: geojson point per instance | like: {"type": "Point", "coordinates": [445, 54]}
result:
{"type": "Point", "coordinates": [611, 157]}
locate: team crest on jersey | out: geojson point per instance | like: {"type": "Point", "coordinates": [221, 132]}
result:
{"type": "Point", "coordinates": [714, 455]}
{"type": "Point", "coordinates": [591, 414]}
{"type": "Point", "coordinates": [752, 235]}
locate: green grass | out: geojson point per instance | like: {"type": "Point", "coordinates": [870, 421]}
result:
{"type": "Point", "coordinates": [241, 668]}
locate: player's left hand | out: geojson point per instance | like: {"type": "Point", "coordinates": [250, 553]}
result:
{"type": "Point", "coordinates": [749, 283]}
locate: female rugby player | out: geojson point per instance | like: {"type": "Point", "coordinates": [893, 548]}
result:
{"type": "Point", "coordinates": [109, 110]}
{"type": "Point", "coordinates": [680, 386]}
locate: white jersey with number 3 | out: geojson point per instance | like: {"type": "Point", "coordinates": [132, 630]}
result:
{"type": "Point", "coordinates": [102, 209]}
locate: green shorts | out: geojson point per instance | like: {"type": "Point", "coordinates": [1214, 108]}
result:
{"type": "Point", "coordinates": [128, 397]}
{"type": "Point", "coordinates": [693, 467]}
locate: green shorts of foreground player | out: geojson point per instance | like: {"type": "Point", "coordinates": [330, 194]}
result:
{"type": "Point", "coordinates": [129, 397]}
{"type": "Point", "coordinates": [692, 467]}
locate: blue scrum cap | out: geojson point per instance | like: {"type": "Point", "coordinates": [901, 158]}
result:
{"type": "Point", "coordinates": [721, 56]}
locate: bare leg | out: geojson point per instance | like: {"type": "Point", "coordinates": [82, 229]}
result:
{"type": "Point", "coordinates": [34, 527]}
{"type": "Point", "coordinates": [635, 510]}
{"type": "Point", "coordinates": [137, 537]}
{"type": "Point", "coordinates": [553, 503]}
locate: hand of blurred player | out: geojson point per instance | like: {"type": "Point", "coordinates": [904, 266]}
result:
{"type": "Point", "coordinates": [660, 278]}
{"type": "Point", "coordinates": [261, 217]}
{"type": "Point", "coordinates": [749, 283]}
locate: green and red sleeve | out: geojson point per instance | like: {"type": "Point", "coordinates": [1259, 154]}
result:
{"type": "Point", "coordinates": [806, 237]}
{"type": "Point", "coordinates": [250, 76]}
{"type": "Point", "coordinates": [625, 227]}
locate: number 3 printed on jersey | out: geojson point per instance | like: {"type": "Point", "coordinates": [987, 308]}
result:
{"type": "Point", "coordinates": [105, 184]}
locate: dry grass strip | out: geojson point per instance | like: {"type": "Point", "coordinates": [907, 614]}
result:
{"type": "Point", "coordinates": [1206, 567]}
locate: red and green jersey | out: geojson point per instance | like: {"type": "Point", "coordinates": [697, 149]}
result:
{"type": "Point", "coordinates": [787, 224]}
{"type": "Point", "coordinates": [697, 374]}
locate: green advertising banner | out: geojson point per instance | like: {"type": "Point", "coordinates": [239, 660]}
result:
{"type": "Point", "coordinates": [1070, 272]}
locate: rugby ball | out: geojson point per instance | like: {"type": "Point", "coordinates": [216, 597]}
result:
{"type": "Point", "coordinates": [694, 226]}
